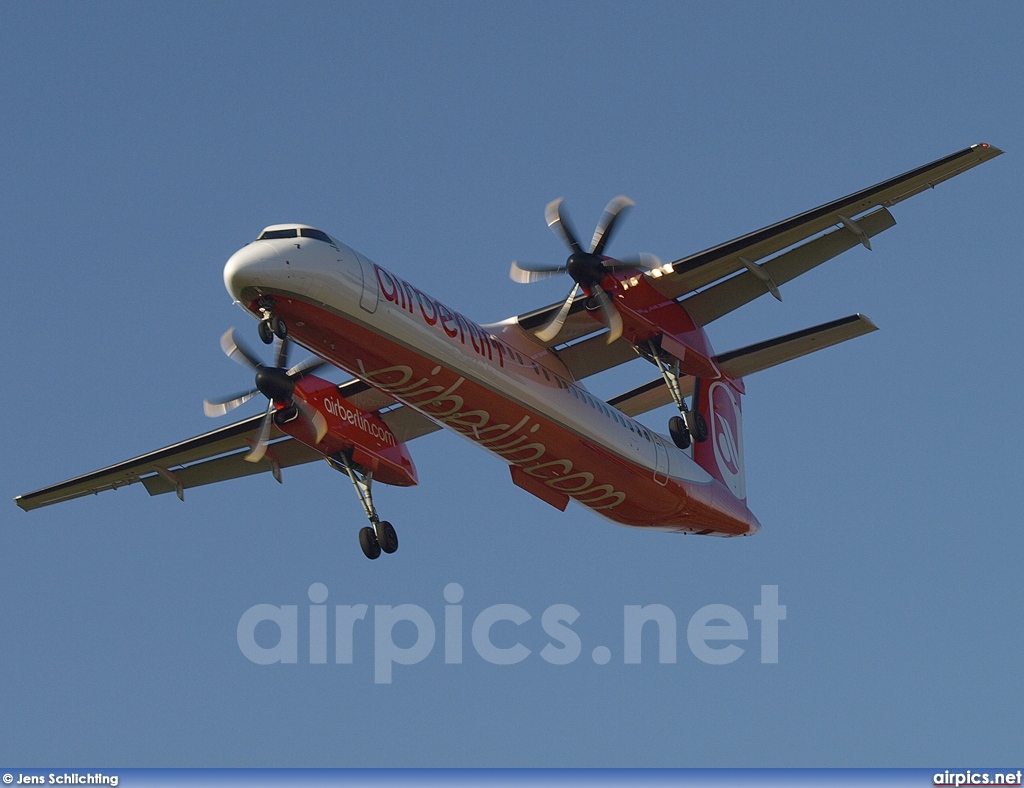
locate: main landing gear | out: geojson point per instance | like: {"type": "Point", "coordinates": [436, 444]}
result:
{"type": "Point", "coordinates": [379, 536]}
{"type": "Point", "coordinates": [270, 326]}
{"type": "Point", "coordinates": [690, 426]}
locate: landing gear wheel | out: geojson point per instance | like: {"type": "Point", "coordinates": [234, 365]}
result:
{"type": "Point", "coordinates": [368, 541]}
{"type": "Point", "coordinates": [700, 428]}
{"type": "Point", "coordinates": [279, 327]}
{"type": "Point", "coordinates": [680, 435]}
{"type": "Point", "coordinates": [266, 332]}
{"type": "Point", "coordinates": [379, 536]}
{"type": "Point", "coordinates": [387, 537]}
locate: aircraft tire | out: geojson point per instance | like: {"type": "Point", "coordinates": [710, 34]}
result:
{"type": "Point", "coordinates": [279, 327]}
{"type": "Point", "coordinates": [388, 539]}
{"type": "Point", "coordinates": [700, 428]}
{"type": "Point", "coordinates": [266, 332]}
{"type": "Point", "coordinates": [680, 435]}
{"type": "Point", "coordinates": [368, 542]}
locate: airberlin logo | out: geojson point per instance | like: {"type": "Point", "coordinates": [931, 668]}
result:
{"type": "Point", "coordinates": [357, 419]}
{"type": "Point", "coordinates": [434, 313]}
{"type": "Point", "coordinates": [727, 434]}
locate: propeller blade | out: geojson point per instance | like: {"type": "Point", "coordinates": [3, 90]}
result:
{"type": "Point", "coordinates": [307, 367]}
{"type": "Point", "coordinates": [261, 443]}
{"type": "Point", "coordinates": [560, 224]}
{"type": "Point", "coordinates": [314, 417]}
{"type": "Point", "coordinates": [550, 331]}
{"type": "Point", "coordinates": [238, 352]}
{"type": "Point", "coordinates": [606, 226]}
{"type": "Point", "coordinates": [611, 315]}
{"type": "Point", "coordinates": [218, 407]}
{"type": "Point", "coordinates": [282, 353]}
{"type": "Point", "coordinates": [525, 273]}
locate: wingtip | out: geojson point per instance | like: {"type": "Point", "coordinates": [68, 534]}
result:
{"type": "Point", "coordinates": [868, 321]}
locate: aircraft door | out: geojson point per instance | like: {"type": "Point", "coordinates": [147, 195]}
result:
{"type": "Point", "coordinates": [660, 463]}
{"type": "Point", "coordinates": [370, 292]}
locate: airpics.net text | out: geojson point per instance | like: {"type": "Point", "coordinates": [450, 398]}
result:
{"type": "Point", "coordinates": [713, 633]}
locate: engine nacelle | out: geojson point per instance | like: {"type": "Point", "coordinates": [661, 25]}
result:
{"type": "Point", "coordinates": [351, 429]}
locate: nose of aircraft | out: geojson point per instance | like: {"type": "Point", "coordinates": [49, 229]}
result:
{"type": "Point", "coordinates": [249, 267]}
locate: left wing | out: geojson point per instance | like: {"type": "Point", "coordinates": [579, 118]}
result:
{"type": "Point", "coordinates": [220, 455]}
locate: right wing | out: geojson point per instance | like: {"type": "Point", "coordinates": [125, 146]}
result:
{"type": "Point", "coordinates": [701, 269]}
{"type": "Point", "coordinates": [220, 454]}
{"type": "Point", "coordinates": [591, 356]}
{"type": "Point", "coordinates": [826, 231]}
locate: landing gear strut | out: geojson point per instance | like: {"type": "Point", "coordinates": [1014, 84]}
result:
{"type": "Point", "coordinates": [692, 426]}
{"type": "Point", "coordinates": [270, 326]}
{"type": "Point", "coordinates": [379, 536]}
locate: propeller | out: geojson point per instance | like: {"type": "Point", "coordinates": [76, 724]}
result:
{"type": "Point", "coordinates": [276, 383]}
{"type": "Point", "coordinates": [587, 269]}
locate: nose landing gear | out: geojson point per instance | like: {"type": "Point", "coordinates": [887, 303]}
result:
{"type": "Point", "coordinates": [379, 536]}
{"type": "Point", "coordinates": [270, 326]}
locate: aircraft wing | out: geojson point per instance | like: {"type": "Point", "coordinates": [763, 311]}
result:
{"type": "Point", "coordinates": [701, 269]}
{"type": "Point", "coordinates": [220, 454]}
{"type": "Point", "coordinates": [788, 249]}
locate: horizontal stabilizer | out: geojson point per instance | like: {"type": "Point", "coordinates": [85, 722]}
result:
{"type": "Point", "coordinates": [754, 358]}
{"type": "Point", "coordinates": [750, 359]}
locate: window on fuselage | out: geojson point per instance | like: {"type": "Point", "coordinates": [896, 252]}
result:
{"type": "Point", "coordinates": [320, 235]}
{"type": "Point", "coordinates": [270, 235]}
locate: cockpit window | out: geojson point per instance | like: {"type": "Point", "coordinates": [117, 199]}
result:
{"type": "Point", "coordinates": [271, 234]}
{"type": "Point", "coordinates": [320, 235]}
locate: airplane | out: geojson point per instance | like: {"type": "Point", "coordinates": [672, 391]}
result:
{"type": "Point", "coordinates": [515, 387]}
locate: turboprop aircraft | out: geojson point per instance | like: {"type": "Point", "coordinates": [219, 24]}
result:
{"type": "Point", "coordinates": [515, 387]}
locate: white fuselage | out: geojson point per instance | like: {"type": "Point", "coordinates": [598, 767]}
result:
{"type": "Point", "coordinates": [487, 369]}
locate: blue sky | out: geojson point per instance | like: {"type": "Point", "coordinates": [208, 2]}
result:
{"type": "Point", "coordinates": [142, 144]}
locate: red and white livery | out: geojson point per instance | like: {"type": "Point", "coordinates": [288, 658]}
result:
{"type": "Point", "coordinates": [515, 388]}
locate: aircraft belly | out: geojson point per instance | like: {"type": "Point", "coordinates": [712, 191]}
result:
{"type": "Point", "coordinates": [513, 417]}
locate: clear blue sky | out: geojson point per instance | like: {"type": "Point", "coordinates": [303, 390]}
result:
{"type": "Point", "coordinates": [142, 144]}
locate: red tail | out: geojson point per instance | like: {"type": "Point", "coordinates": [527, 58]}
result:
{"type": "Point", "coordinates": [721, 454]}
